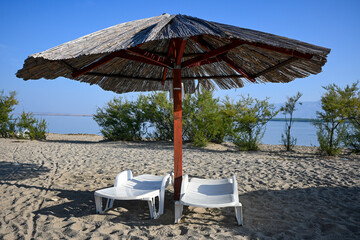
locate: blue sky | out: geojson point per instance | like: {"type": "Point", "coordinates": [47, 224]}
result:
{"type": "Point", "coordinates": [28, 27]}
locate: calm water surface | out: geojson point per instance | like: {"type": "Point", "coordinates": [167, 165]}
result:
{"type": "Point", "coordinates": [305, 132]}
{"type": "Point", "coordinates": [71, 124]}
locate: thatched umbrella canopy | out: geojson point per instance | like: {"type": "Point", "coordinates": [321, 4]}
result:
{"type": "Point", "coordinates": [159, 52]}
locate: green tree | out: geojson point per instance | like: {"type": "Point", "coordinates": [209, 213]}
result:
{"type": "Point", "coordinates": [250, 122]}
{"type": "Point", "coordinates": [337, 106]}
{"type": "Point", "coordinates": [288, 111]}
{"type": "Point", "coordinates": [352, 138]}
{"type": "Point", "coordinates": [121, 119]}
{"type": "Point", "coordinates": [7, 122]}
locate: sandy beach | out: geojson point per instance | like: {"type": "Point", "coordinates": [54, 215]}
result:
{"type": "Point", "coordinates": [47, 191]}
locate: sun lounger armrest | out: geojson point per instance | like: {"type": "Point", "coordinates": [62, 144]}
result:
{"type": "Point", "coordinates": [123, 177]}
{"type": "Point", "coordinates": [235, 189]}
{"type": "Point", "coordinates": [166, 181]}
{"type": "Point", "coordinates": [172, 178]}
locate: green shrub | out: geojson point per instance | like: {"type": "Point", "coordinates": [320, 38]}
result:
{"type": "Point", "coordinates": [26, 126]}
{"type": "Point", "coordinates": [225, 121]}
{"type": "Point", "coordinates": [122, 119]}
{"type": "Point", "coordinates": [204, 119]}
{"type": "Point", "coordinates": [250, 122]}
{"type": "Point", "coordinates": [30, 127]}
{"type": "Point", "coordinates": [7, 122]}
{"type": "Point", "coordinates": [159, 112]}
{"type": "Point", "coordinates": [201, 118]}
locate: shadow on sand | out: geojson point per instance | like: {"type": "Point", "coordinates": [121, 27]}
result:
{"type": "Point", "coordinates": [295, 213]}
{"type": "Point", "coordinates": [13, 171]}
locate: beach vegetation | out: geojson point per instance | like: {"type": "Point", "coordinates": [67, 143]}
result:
{"type": "Point", "coordinates": [26, 126]}
{"type": "Point", "coordinates": [330, 137]}
{"type": "Point", "coordinates": [205, 119]}
{"type": "Point", "coordinates": [352, 138]}
{"type": "Point", "coordinates": [7, 121]}
{"type": "Point", "coordinates": [31, 128]}
{"type": "Point", "coordinates": [249, 122]}
{"type": "Point", "coordinates": [201, 118]}
{"type": "Point", "coordinates": [159, 113]}
{"type": "Point", "coordinates": [225, 125]}
{"type": "Point", "coordinates": [288, 110]}
{"type": "Point", "coordinates": [121, 119]}
{"type": "Point", "coordinates": [333, 121]}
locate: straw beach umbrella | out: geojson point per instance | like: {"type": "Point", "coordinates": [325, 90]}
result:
{"type": "Point", "coordinates": [175, 51]}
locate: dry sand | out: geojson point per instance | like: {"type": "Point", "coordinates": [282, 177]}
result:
{"type": "Point", "coordinates": [47, 191]}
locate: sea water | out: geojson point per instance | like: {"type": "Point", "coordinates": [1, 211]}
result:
{"type": "Point", "coordinates": [304, 132]}
{"type": "Point", "coordinates": [71, 124]}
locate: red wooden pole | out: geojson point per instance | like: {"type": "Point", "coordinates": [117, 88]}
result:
{"type": "Point", "coordinates": [177, 133]}
{"type": "Point", "coordinates": [178, 54]}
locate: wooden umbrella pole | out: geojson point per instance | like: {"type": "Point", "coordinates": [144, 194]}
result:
{"type": "Point", "coordinates": [178, 54]}
{"type": "Point", "coordinates": [177, 133]}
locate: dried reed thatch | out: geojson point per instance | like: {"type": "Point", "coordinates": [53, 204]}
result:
{"type": "Point", "coordinates": [261, 57]}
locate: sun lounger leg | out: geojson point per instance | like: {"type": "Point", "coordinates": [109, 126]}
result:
{"type": "Point", "coordinates": [162, 195]}
{"type": "Point", "coordinates": [152, 208]}
{"type": "Point", "coordinates": [239, 216]}
{"type": "Point", "coordinates": [178, 211]}
{"type": "Point", "coordinates": [161, 204]}
{"type": "Point", "coordinates": [98, 204]}
{"type": "Point", "coordinates": [111, 203]}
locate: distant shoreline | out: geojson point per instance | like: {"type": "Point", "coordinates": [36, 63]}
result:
{"type": "Point", "coordinates": [295, 120]}
{"type": "Point", "coordinates": [91, 115]}
{"type": "Point", "coordinates": [60, 114]}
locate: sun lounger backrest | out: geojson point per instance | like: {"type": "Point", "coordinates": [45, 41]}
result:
{"type": "Point", "coordinates": [123, 177]}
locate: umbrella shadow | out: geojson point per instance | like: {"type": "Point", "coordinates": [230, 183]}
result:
{"type": "Point", "coordinates": [14, 171]}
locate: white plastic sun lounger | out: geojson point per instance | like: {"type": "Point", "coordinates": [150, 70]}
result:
{"type": "Point", "coordinates": [209, 193]}
{"type": "Point", "coordinates": [144, 187]}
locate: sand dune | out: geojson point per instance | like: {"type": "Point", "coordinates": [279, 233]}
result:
{"type": "Point", "coordinates": [47, 191]}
